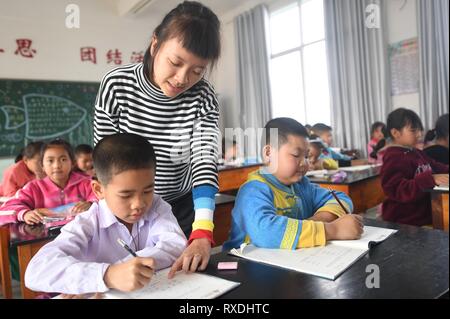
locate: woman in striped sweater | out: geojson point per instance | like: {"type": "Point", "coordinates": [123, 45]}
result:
{"type": "Point", "coordinates": [167, 100]}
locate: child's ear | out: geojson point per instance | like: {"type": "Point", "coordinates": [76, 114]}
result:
{"type": "Point", "coordinates": [395, 133]}
{"type": "Point", "coordinates": [98, 189]}
{"type": "Point", "coordinates": [267, 150]}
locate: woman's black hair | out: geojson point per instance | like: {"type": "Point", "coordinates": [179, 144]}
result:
{"type": "Point", "coordinates": [440, 131]}
{"type": "Point", "coordinates": [195, 25]}
{"type": "Point", "coordinates": [401, 118]}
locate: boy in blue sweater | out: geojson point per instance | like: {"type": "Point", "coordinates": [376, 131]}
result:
{"type": "Point", "coordinates": [323, 131]}
{"type": "Point", "coordinates": [280, 208]}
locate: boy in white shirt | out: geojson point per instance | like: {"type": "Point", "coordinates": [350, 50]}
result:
{"type": "Point", "coordinates": [86, 257]}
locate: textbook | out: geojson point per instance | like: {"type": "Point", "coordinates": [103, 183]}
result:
{"type": "Point", "coordinates": [328, 261]}
{"type": "Point", "coordinates": [182, 286]}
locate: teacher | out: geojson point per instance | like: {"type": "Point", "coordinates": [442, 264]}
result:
{"type": "Point", "coordinates": [167, 100]}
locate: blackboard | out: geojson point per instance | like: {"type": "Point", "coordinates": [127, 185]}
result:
{"type": "Point", "coordinates": [32, 110]}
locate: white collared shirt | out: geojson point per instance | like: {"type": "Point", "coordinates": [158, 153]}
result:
{"type": "Point", "coordinates": [76, 261]}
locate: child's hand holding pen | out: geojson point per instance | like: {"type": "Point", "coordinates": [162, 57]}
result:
{"type": "Point", "coordinates": [130, 275]}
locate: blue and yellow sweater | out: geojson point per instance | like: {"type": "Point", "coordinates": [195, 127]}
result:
{"type": "Point", "coordinates": [270, 214]}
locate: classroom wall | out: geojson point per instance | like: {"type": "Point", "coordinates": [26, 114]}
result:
{"type": "Point", "coordinates": [402, 25]}
{"type": "Point", "coordinates": [57, 47]}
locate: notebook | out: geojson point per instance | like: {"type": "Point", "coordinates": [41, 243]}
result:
{"type": "Point", "coordinates": [182, 286]}
{"type": "Point", "coordinates": [358, 167]}
{"type": "Point", "coordinates": [327, 262]}
{"type": "Point", "coordinates": [441, 188]}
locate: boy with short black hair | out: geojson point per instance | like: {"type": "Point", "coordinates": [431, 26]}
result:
{"type": "Point", "coordinates": [86, 256]}
{"type": "Point", "coordinates": [279, 208]}
{"type": "Point", "coordinates": [323, 131]}
{"type": "Point", "coordinates": [83, 159]}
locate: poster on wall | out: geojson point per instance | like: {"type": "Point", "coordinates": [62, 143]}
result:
{"type": "Point", "coordinates": [404, 60]}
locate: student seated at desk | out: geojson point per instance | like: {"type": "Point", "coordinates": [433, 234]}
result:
{"type": "Point", "coordinates": [86, 257]}
{"type": "Point", "coordinates": [83, 160]}
{"type": "Point", "coordinates": [316, 148]}
{"type": "Point", "coordinates": [279, 208]}
{"type": "Point", "coordinates": [408, 171]}
{"type": "Point", "coordinates": [23, 171]}
{"type": "Point", "coordinates": [60, 187]}
{"type": "Point", "coordinates": [377, 133]}
{"type": "Point", "coordinates": [232, 157]}
{"type": "Point", "coordinates": [323, 131]}
{"type": "Point", "coordinates": [439, 149]}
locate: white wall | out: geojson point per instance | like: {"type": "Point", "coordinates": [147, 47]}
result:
{"type": "Point", "coordinates": [58, 48]}
{"type": "Point", "coordinates": [401, 26]}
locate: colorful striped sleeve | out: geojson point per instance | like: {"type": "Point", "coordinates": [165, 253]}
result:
{"type": "Point", "coordinates": [204, 205]}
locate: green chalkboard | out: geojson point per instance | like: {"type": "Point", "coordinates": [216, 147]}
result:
{"type": "Point", "coordinates": [44, 110]}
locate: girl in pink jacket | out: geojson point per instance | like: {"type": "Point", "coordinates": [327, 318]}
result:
{"type": "Point", "coordinates": [60, 187]}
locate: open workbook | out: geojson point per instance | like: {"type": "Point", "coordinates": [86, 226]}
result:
{"type": "Point", "coordinates": [182, 286]}
{"type": "Point", "coordinates": [328, 261]}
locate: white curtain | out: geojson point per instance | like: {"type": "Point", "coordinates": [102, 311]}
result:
{"type": "Point", "coordinates": [253, 80]}
{"type": "Point", "coordinates": [432, 21]}
{"type": "Point", "coordinates": [358, 69]}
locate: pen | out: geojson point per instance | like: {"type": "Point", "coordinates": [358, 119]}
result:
{"type": "Point", "coordinates": [122, 243]}
{"type": "Point", "coordinates": [338, 200]}
{"type": "Point", "coordinates": [127, 248]}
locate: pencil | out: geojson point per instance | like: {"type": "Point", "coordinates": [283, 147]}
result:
{"type": "Point", "coordinates": [339, 201]}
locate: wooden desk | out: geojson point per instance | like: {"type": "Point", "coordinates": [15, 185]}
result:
{"type": "Point", "coordinates": [439, 208]}
{"type": "Point", "coordinates": [27, 240]}
{"type": "Point", "coordinates": [363, 187]}
{"type": "Point", "coordinates": [5, 271]}
{"type": "Point", "coordinates": [231, 178]}
{"type": "Point", "coordinates": [413, 263]}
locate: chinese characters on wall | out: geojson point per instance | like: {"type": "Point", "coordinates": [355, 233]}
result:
{"type": "Point", "coordinates": [24, 48]}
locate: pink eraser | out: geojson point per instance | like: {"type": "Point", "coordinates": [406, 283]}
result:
{"type": "Point", "coordinates": [227, 265]}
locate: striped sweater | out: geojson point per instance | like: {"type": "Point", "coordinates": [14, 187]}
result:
{"type": "Point", "coordinates": [183, 131]}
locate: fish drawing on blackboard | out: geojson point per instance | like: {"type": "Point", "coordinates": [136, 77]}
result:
{"type": "Point", "coordinates": [44, 116]}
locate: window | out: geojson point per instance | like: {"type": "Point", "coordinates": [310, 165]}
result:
{"type": "Point", "coordinates": [298, 64]}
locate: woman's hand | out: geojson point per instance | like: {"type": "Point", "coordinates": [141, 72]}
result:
{"type": "Point", "coordinates": [36, 216]}
{"type": "Point", "coordinates": [80, 207]}
{"type": "Point", "coordinates": [194, 257]}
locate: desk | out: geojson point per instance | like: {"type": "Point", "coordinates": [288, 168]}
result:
{"type": "Point", "coordinates": [413, 263]}
{"type": "Point", "coordinates": [439, 208]}
{"type": "Point", "coordinates": [27, 240]}
{"type": "Point", "coordinates": [363, 187]}
{"type": "Point", "coordinates": [231, 178]}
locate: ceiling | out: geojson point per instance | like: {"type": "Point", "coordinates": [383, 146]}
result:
{"type": "Point", "coordinates": [158, 8]}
